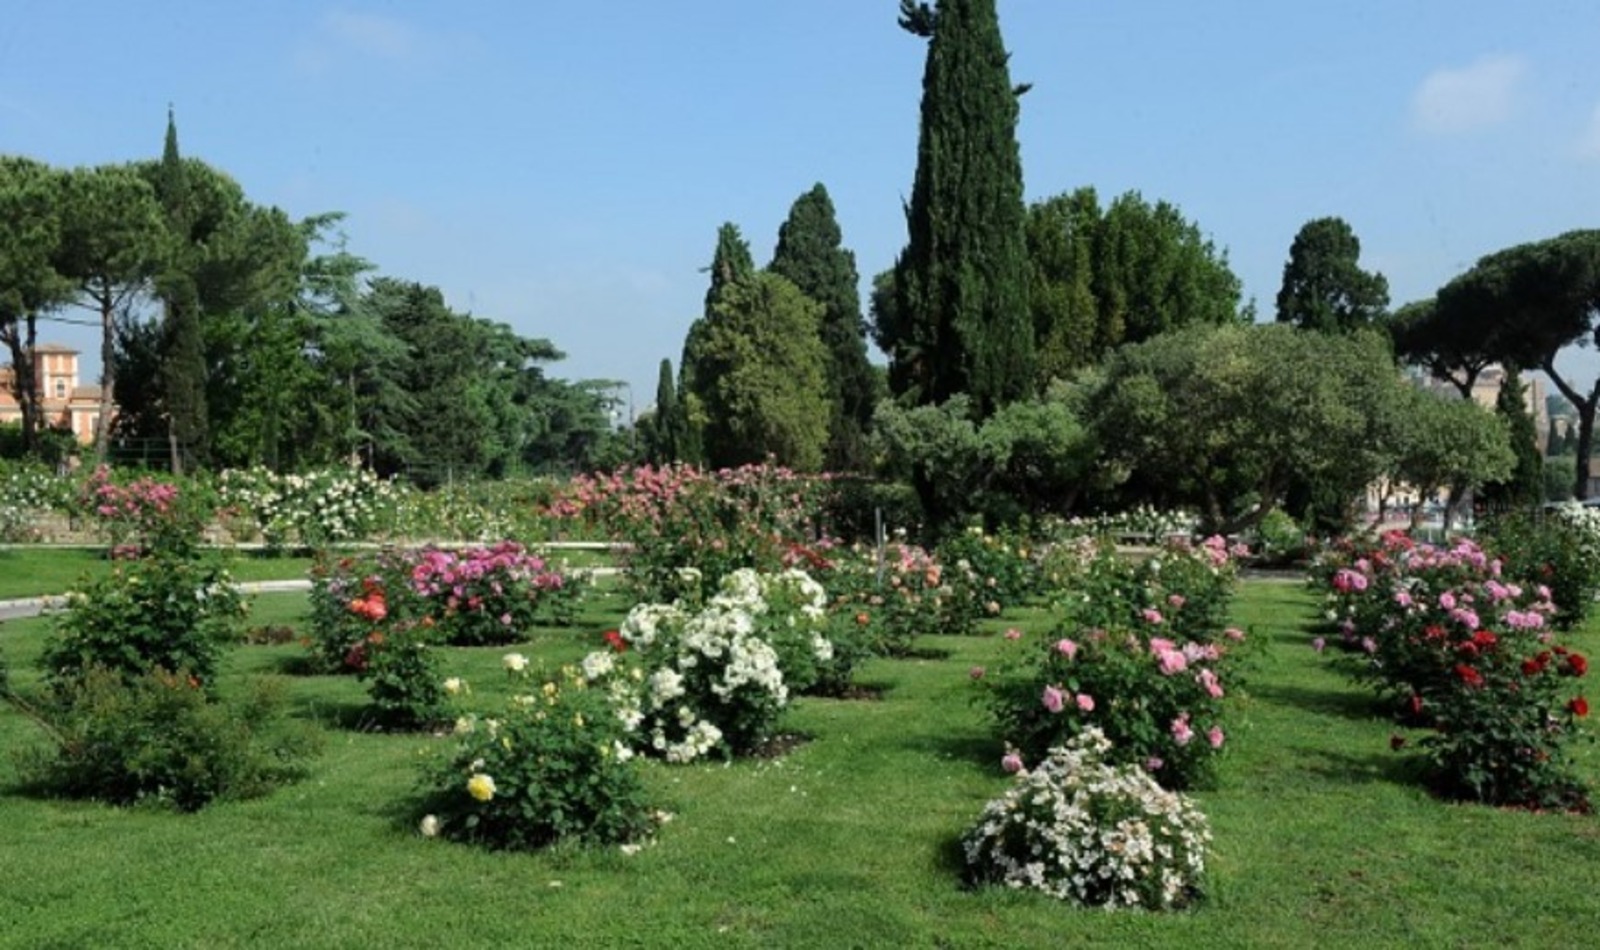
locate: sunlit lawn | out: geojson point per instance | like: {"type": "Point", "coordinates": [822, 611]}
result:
{"type": "Point", "coordinates": [1322, 837]}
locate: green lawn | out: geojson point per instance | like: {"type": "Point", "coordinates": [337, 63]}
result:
{"type": "Point", "coordinates": [1322, 839]}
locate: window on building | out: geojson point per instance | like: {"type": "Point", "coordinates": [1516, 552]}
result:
{"type": "Point", "coordinates": [61, 389]}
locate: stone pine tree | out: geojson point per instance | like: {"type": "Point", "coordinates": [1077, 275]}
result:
{"type": "Point", "coordinates": [1324, 287]}
{"type": "Point", "coordinates": [811, 255]}
{"type": "Point", "coordinates": [1525, 484]}
{"type": "Point", "coordinates": [731, 264]}
{"type": "Point", "coordinates": [960, 321]}
{"type": "Point", "coordinates": [183, 356]}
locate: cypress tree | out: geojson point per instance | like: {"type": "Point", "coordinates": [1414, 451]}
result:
{"type": "Point", "coordinates": [1525, 484]}
{"type": "Point", "coordinates": [961, 284]}
{"type": "Point", "coordinates": [666, 427]}
{"type": "Point", "coordinates": [811, 255]}
{"type": "Point", "coordinates": [183, 362]}
{"type": "Point", "coordinates": [730, 264]}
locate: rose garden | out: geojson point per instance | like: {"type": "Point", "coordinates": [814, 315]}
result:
{"type": "Point", "coordinates": [726, 721]}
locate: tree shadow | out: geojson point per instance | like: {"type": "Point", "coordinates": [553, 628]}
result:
{"type": "Point", "coordinates": [1342, 704]}
{"type": "Point", "coordinates": [979, 751]}
{"type": "Point", "coordinates": [1365, 769]}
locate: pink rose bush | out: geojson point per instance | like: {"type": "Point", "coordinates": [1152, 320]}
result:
{"type": "Point", "coordinates": [1154, 692]}
{"type": "Point", "coordinates": [1454, 644]}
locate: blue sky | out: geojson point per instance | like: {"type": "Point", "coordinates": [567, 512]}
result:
{"type": "Point", "coordinates": [563, 166]}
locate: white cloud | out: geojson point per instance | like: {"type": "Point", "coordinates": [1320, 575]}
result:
{"type": "Point", "coordinates": [1482, 94]}
{"type": "Point", "coordinates": [1589, 143]}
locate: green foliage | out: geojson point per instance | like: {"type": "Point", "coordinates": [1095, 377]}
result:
{"type": "Point", "coordinates": [1226, 419]}
{"type": "Point", "coordinates": [960, 321]}
{"type": "Point", "coordinates": [1324, 287]}
{"type": "Point", "coordinates": [1558, 548]}
{"type": "Point", "coordinates": [552, 766]}
{"type": "Point", "coordinates": [1525, 484]}
{"type": "Point", "coordinates": [1442, 442]}
{"type": "Point", "coordinates": [156, 737]}
{"type": "Point", "coordinates": [1121, 275]}
{"type": "Point", "coordinates": [761, 368]}
{"type": "Point", "coordinates": [167, 611]}
{"type": "Point", "coordinates": [1522, 305]}
{"type": "Point", "coordinates": [1030, 457]}
{"type": "Point", "coordinates": [810, 254]}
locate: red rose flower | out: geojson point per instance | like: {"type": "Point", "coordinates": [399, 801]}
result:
{"type": "Point", "coordinates": [1468, 675]}
{"type": "Point", "coordinates": [1577, 664]}
{"type": "Point", "coordinates": [1484, 640]}
{"type": "Point", "coordinates": [614, 640]}
{"type": "Point", "coordinates": [1532, 667]}
{"type": "Point", "coordinates": [1579, 706]}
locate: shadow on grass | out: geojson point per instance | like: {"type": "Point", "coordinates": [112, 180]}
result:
{"type": "Point", "coordinates": [979, 751]}
{"type": "Point", "coordinates": [1370, 768]}
{"type": "Point", "coordinates": [1343, 704]}
{"type": "Point", "coordinates": [952, 860]}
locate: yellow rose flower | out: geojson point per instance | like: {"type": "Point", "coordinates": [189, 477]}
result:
{"type": "Point", "coordinates": [481, 787]}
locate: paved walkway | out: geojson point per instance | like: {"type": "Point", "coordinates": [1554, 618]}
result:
{"type": "Point", "coordinates": [34, 606]}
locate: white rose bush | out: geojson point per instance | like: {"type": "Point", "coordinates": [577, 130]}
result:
{"type": "Point", "coordinates": [690, 682]}
{"type": "Point", "coordinates": [1090, 833]}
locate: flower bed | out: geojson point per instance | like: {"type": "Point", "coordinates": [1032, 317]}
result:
{"type": "Point", "coordinates": [1456, 646]}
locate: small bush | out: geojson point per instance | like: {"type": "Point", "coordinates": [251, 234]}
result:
{"type": "Point", "coordinates": [687, 682]}
{"type": "Point", "coordinates": [168, 611]}
{"type": "Point", "coordinates": [156, 737]}
{"type": "Point", "coordinates": [554, 766]}
{"type": "Point", "coordinates": [1090, 833]}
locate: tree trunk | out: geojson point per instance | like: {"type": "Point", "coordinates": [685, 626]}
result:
{"type": "Point", "coordinates": [1586, 412]}
{"type": "Point", "coordinates": [24, 381]}
{"type": "Point", "coordinates": [108, 372]}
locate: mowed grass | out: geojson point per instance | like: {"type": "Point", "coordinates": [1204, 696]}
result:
{"type": "Point", "coordinates": [1323, 838]}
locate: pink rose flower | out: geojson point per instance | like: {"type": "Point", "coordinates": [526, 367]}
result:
{"type": "Point", "coordinates": [1085, 702]}
{"type": "Point", "coordinates": [1054, 699]}
{"type": "Point", "coordinates": [1067, 648]}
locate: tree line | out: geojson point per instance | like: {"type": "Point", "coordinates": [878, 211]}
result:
{"type": "Point", "coordinates": [1069, 353]}
{"type": "Point", "coordinates": [233, 335]}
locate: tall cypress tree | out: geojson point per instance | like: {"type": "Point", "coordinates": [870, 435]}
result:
{"type": "Point", "coordinates": [1525, 484]}
{"type": "Point", "coordinates": [811, 255]}
{"type": "Point", "coordinates": [961, 284]}
{"type": "Point", "coordinates": [730, 264]}
{"type": "Point", "coordinates": [665, 428]}
{"type": "Point", "coordinates": [183, 360]}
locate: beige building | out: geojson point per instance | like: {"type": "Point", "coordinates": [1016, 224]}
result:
{"type": "Point", "coordinates": [64, 402]}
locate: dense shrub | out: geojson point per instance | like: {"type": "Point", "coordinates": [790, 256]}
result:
{"type": "Point", "coordinates": [157, 737]}
{"type": "Point", "coordinates": [1140, 653]}
{"type": "Point", "coordinates": [1461, 647]}
{"type": "Point", "coordinates": [1559, 548]}
{"type": "Point", "coordinates": [554, 765]}
{"type": "Point", "coordinates": [1091, 833]}
{"type": "Point", "coordinates": [686, 529]}
{"type": "Point", "coordinates": [689, 681]}
{"type": "Point", "coordinates": [166, 611]}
